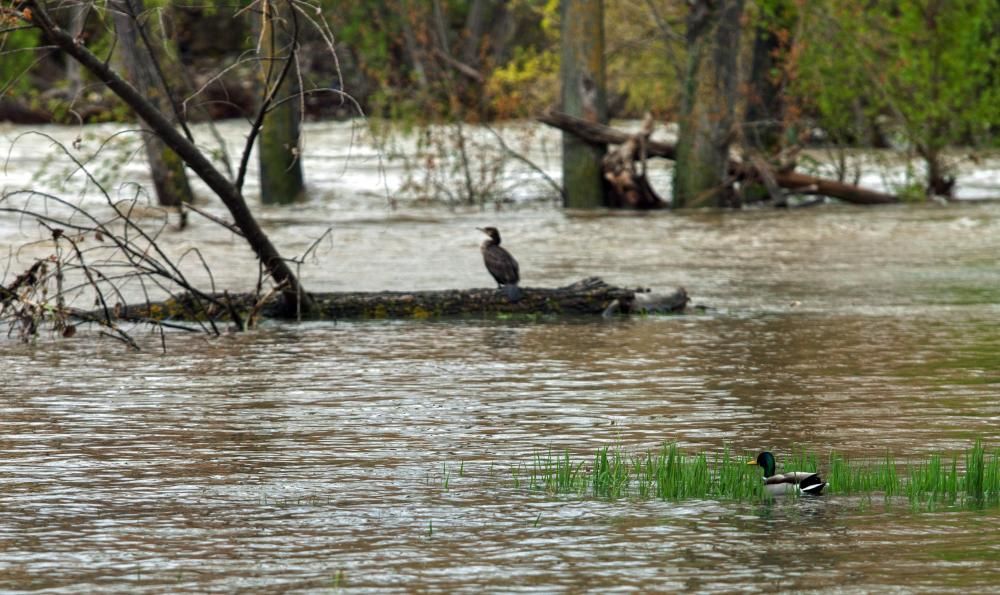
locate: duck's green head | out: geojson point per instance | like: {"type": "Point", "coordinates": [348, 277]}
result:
{"type": "Point", "coordinates": [765, 460]}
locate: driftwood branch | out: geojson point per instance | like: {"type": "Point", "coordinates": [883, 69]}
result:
{"type": "Point", "coordinates": [629, 187]}
{"type": "Point", "coordinates": [589, 297]}
{"type": "Point", "coordinates": [463, 68]}
{"type": "Point", "coordinates": [599, 134]}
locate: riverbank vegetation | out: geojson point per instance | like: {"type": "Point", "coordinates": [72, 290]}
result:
{"type": "Point", "coordinates": [971, 479]}
{"type": "Point", "coordinates": [916, 76]}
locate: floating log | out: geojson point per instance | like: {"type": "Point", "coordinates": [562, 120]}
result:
{"type": "Point", "coordinates": [799, 183]}
{"type": "Point", "coordinates": [589, 297]}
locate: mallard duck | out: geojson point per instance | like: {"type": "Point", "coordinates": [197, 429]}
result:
{"type": "Point", "coordinates": [793, 482]}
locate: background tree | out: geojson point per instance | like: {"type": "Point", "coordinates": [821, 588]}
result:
{"type": "Point", "coordinates": [279, 153]}
{"type": "Point", "coordinates": [707, 107]}
{"type": "Point", "coordinates": [142, 50]}
{"type": "Point", "coordinates": [773, 36]}
{"type": "Point", "coordinates": [925, 68]}
{"type": "Point", "coordinates": [583, 96]}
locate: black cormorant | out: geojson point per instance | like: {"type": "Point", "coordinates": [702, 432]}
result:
{"type": "Point", "coordinates": [501, 264]}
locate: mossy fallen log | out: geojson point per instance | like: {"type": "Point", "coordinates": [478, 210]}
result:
{"type": "Point", "coordinates": [589, 297]}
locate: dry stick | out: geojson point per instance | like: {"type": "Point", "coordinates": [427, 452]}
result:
{"type": "Point", "coordinates": [503, 145]}
{"type": "Point", "coordinates": [766, 176]}
{"type": "Point", "coordinates": [134, 256]}
{"type": "Point", "coordinates": [231, 227]}
{"type": "Point", "coordinates": [86, 271]}
{"type": "Point", "coordinates": [58, 234]}
{"type": "Point", "coordinates": [137, 259]}
{"type": "Point", "coordinates": [233, 314]}
{"type": "Point", "coordinates": [466, 70]}
{"type": "Point", "coordinates": [187, 151]}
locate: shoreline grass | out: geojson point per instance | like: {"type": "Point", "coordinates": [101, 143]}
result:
{"type": "Point", "coordinates": [671, 474]}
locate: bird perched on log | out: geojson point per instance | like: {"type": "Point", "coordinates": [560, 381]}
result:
{"type": "Point", "coordinates": [501, 264]}
{"type": "Point", "coordinates": [790, 482]}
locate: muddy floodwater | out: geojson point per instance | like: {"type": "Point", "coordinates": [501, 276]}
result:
{"type": "Point", "coordinates": [376, 456]}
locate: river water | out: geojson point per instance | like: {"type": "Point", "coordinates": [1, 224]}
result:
{"type": "Point", "coordinates": [375, 456]}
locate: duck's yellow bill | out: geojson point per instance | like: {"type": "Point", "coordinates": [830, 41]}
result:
{"type": "Point", "coordinates": [754, 462]}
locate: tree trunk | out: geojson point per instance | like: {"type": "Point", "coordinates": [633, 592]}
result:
{"type": "Point", "coordinates": [477, 22]}
{"type": "Point", "coordinates": [144, 62]}
{"type": "Point", "coordinates": [295, 297]}
{"type": "Point", "coordinates": [583, 96]}
{"type": "Point", "coordinates": [939, 182]}
{"type": "Point", "coordinates": [765, 111]}
{"type": "Point", "coordinates": [709, 94]}
{"type": "Point", "coordinates": [281, 180]}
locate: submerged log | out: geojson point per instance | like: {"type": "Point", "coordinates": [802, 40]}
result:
{"type": "Point", "coordinates": [798, 183]}
{"type": "Point", "coordinates": [589, 297]}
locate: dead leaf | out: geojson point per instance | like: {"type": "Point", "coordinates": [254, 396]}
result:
{"type": "Point", "coordinates": [69, 331]}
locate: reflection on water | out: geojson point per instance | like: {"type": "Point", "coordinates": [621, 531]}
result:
{"type": "Point", "coordinates": [281, 458]}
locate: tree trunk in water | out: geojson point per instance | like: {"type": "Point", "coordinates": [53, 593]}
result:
{"type": "Point", "coordinates": [281, 180]}
{"type": "Point", "coordinates": [583, 96]}
{"type": "Point", "coordinates": [762, 124]}
{"type": "Point", "coordinates": [137, 55]}
{"type": "Point", "coordinates": [939, 182]}
{"type": "Point", "coordinates": [706, 122]}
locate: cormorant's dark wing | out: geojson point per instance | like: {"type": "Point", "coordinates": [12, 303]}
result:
{"type": "Point", "coordinates": [501, 265]}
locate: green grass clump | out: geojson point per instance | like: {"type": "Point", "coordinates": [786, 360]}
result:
{"type": "Point", "coordinates": [670, 474]}
{"type": "Point", "coordinates": [937, 482]}
{"type": "Point", "coordinates": [863, 478]}
{"type": "Point", "coordinates": [667, 474]}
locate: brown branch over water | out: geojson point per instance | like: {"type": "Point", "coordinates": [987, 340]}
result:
{"type": "Point", "coordinates": [600, 134]}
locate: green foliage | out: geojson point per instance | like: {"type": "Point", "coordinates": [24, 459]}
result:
{"type": "Point", "coordinates": [529, 80]}
{"type": "Point", "coordinates": [922, 69]}
{"type": "Point", "coordinates": [15, 47]}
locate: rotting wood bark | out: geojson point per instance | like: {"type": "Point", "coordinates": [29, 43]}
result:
{"type": "Point", "coordinates": [599, 134]}
{"type": "Point", "coordinates": [629, 186]}
{"type": "Point", "coordinates": [589, 297]}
